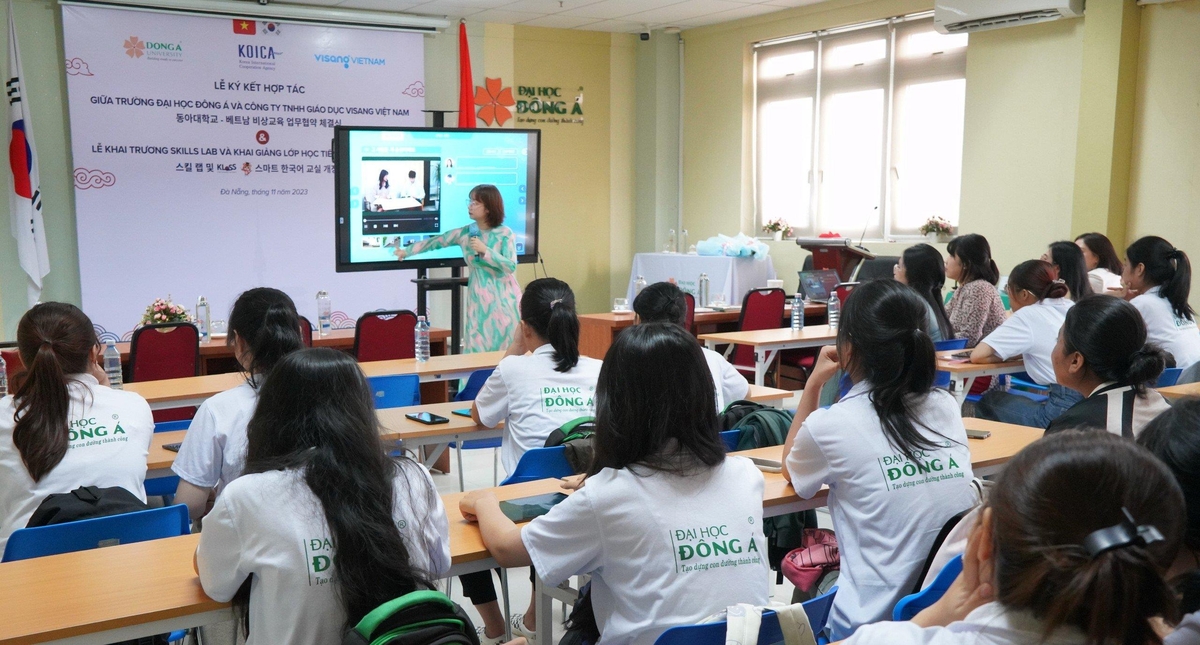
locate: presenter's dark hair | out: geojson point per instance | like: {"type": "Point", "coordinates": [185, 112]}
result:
{"type": "Point", "coordinates": [383, 179]}
{"type": "Point", "coordinates": [1172, 437]}
{"type": "Point", "coordinates": [548, 307]}
{"type": "Point", "coordinates": [975, 254]}
{"type": "Point", "coordinates": [656, 403]}
{"type": "Point", "coordinates": [54, 339]}
{"type": "Point", "coordinates": [661, 302]}
{"type": "Point", "coordinates": [1102, 248]}
{"type": "Point", "coordinates": [884, 337]}
{"type": "Point", "coordinates": [1110, 335]}
{"type": "Point", "coordinates": [1167, 268]}
{"type": "Point", "coordinates": [412, 174]}
{"type": "Point", "coordinates": [1054, 494]}
{"type": "Point", "coordinates": [925, 272]}
{"type": "Point", "coordinates": [1071, 268]}
{"type": "Point", "coordinates": [489, 196]}
{"type": "Point", "coordinates": [1039, 278]}
{"type": "Point", "coordinates": [315, 414]}
{"type": "Point", "coordinates": [266, 320]}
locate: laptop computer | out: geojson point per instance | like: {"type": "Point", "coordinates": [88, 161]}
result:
{"type": "Point", "coordinates": [817, 286]}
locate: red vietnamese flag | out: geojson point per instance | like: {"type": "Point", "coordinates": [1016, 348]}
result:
{"type": "Point", "coordinates": [247, 27]}
{"type": "Point", "coordinates": [466, 87]}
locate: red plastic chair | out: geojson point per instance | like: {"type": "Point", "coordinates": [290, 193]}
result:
{"type": "Point", "coordinates": [385, 336]}
{"type": "Point", "coordinates": [306, 331]}
{"type": "Point", "coordinates": [689, 318]}
{"type": "Point", "coordinates": [12, 367]}
{"type": "Point", "coordinates": [761, 309]}
{"type": "Point", "coordinates": [155, 355]}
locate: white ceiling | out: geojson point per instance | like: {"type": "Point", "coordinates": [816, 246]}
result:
{"type": "Point", "coordinates": [592, 15]}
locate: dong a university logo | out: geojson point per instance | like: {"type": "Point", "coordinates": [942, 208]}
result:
{"type": "Point", "coordinates": [136, 48]}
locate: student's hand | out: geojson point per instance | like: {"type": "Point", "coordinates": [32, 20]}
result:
{"type": "Point", "coordinates": [826, 366]}
{"type": "Point", "coordinates": [573, 482]}
{"type": "Point", "coordinates": [517, 346]}
{"type": "Point", "coordinates": [97, 370]}
{"type": "Point", "coordinates": [478, 246]}
{"type": "Point", "coordinates": [401, 253]}
{"type": "Point", "coordinates": [472, 500]}
{"type": "Point", "coordinates": [970, 590]}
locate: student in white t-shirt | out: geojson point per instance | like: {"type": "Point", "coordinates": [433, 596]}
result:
{"type": "Point", "coordinates": [1103, 265]}
{"type": "Point", "coordinates": [663, 507]}
{"type": "Point", "coordinates": [263, 328]}
{"type": "Point", "coordinates": [1039, 304]}
{"type": "Point", "coordinates": [1055, 557]}
{"type": "Point", "coordinates": [893, 451]}
{"type": "Point", "coordinates": [63, 427]}
{"type": "Point", "coordinates": [1159, 278]}
{"type": "Point", "coordinates": [664, 302]}
{"type": "Point", "coordinates": [324, 523]}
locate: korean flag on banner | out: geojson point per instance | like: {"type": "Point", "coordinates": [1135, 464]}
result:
{"type": "Point", "coordinates": [25, 200]}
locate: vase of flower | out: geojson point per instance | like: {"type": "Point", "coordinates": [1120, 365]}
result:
{"type": "Point", "coordinates": [164, 311]}
{"type": "Point", "coordinates": [778, 228]}
{"type": "Point", "coordinates": [937, 230]}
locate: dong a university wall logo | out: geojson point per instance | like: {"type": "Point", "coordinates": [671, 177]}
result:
{"type": "Point", "coordinates": [136, 48]}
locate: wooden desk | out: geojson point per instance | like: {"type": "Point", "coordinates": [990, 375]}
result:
{"type": "Point", "coordinates": [767, 343]}
{"type": "Point", "coordinates": [1176, 392]}
{"type": "Point", "coordinates": [598, 331]}
{"type": "Point", "coordinates": [964, 372]}
{"type": "Point", "coordinates": [149, 588]}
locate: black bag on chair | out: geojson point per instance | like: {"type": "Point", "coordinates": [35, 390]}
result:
{"type": "Point", "coordinates": [84, 503]}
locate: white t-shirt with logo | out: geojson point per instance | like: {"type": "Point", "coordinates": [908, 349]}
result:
{"type": "Point", "coordinates": [663, 550]}
{"type": "Point", "coordinates": [1032, 332]}
{"type": "Point", "coordinates": [109, 438]}
{"type": "Point", "coordinates": [286, 546]}
{"type": "Point", "coordinates": [731, 385]}
{"type": "Point", "coordinates": [1102, 280]}
{"type": "Point", "coordinates": [1168, 331]}
{"type": "Point", "coordinates": [886, 510]}
{"type": "Point", "coordinates": [214, 449]}
{"type": "Point", "coordinates": [533, 400]}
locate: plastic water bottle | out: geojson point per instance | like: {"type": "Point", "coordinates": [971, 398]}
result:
{"type": "Point", "coordinates": [112, 365]}
{"type": "Point", "coordinates": [835, 307]}
{"type": "Point", "coordinates": [324, 313]}
{"type": "Point", "coordinates": [422, 339]}
{"type": "Point", "coordinates": [204, 319]}
{"type": "Point", "coordinates": [798, 312]}
{"type": "Point", "coordinates": [702, 290]}
{"type": "Point", "coordinates": [3, 378]}
{"type": "Point", "coordinates": [639, 285]}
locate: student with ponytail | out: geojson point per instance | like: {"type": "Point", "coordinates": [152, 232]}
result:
{"type": "Point", "coordinates": [1070, 549]}
{"type": "Point", "coordinates": [1039, 304]}
{"type": "Point", "coordinates": [324, 522]}
{"type": "Point", "coordinates": [921, 267]}
{"type": "Point", "coordinates": [1103, 355]}
{"type": "Point", "coordinates": [1067, 259]}
{"type": "Point", "coordinates": [541, 383]}
{"type": "Point", "coordinates": [875, 448]}
{"type": "Point", "coordinates": [1158, 278]}
{"type": "Point", "coordinates": [263, 328]}
{"type": "Point", "coordinates": [64, 427]}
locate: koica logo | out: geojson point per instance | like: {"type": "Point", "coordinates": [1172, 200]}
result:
{"type": "Point", "coordinates": [151, 50]}
{"type": "Point", "coordinates": [257, 56]}
{"type": "Point", "coordinates": [347, 61]}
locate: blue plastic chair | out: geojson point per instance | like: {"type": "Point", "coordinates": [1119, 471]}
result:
{"type": "Point", "coordinates": [1169, 377]}
{"type": "Point", "coordinates": [165, 486]}
{"type": "Point", "coordinates": [395, 391]}
{"type": "Point", "coordinates": [468, 393]}
{"type": "Point", "coordinates": [769, 631]}
{"type": "Point", "coordinates": [731, 438]}
{"type": "Point", "coordinates": [127, 528]}
{"type": "Point", "coordinates": [912, 604]}
{"type": "Point", "coordinates": [540, 463]}
{"type": "Point", "coordinates": [942, 379]}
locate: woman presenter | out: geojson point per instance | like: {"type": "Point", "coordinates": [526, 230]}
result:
{"type": "Point", "coordinates": [492, 289]}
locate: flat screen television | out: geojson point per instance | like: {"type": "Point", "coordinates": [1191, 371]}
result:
{"type": "Point", "coordinates": [395, 186]}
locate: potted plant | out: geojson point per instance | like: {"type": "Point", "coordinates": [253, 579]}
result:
{"type": "Point", "coordinates": [937, 230]}
{"type": "Point", "coordinates": [779, 228]}
{"type": "Point", "coordinates": [164, 311]}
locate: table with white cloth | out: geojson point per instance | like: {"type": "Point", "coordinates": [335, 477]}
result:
{"type": "Point", "coordinates": [731, 277]}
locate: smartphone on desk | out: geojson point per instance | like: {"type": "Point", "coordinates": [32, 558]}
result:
{"type": "Point", "coordinates": [767, 465]}
{"type": "Point", "coordinates": [428, 418]}
{"type": "Point", "coordinates": [963, 355]}
{"type": "Point", "coordinates": [173, 447]}
{"type": "Point", "coordinates": [464, 412]}
{"type": "Point", "coordinates": [978, 434]}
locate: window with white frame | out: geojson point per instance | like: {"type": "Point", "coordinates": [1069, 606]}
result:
{"type": "Point", "coordinates": [859, 130]}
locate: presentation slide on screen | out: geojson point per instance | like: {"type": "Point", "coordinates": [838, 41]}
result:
{"type": "Point", "coordinates": [405, 186]}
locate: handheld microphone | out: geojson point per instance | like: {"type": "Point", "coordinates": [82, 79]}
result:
{"type": "Point", "coordinates": [473, 232]}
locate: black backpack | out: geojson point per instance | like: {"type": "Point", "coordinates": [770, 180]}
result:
{"type": "Point", "coordinates": [423, 617]}
{"type": "Point", "coordinates": [734, 412]}
{"type": "Point", "coordinates": [84, 503]}
{"type": "Point", "coordinates": [576, 435]}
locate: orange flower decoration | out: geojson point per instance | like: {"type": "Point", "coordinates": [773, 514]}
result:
{"type": "Point", "coordinates": [494, 102]}
{"type": "Point", "coordinates": [134, 48]}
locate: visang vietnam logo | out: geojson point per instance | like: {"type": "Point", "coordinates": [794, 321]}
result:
{"type": "Point", "coordinates": [137, 48]}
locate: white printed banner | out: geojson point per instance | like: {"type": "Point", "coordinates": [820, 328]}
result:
{"type": "Point", "coordinates": [202, 156]}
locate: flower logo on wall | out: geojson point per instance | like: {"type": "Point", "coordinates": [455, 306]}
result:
{"type": "Point", "coordinates": [135, 47]}
{"type": "Point", "coordinates": [493, 102]}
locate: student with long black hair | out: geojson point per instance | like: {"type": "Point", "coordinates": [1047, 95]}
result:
{"type": "Point", "coordinates": [1040, 304]}
{"type": "Point", "coordinates": [324, 522]}
{"type": "Point", "coordinates": [1100, 258]}
{"type": "Point", "coordinates": [669, 527]}
{"type": "Point", "coordinates": [64, 427]}
{"type": "Point", "coordinates": [1068, 260]}
{"type": "Point", "coordinates": [922, 268]}
{"type": "Point", "coordinates": [263, 328]}
{"type": "Point", "coordinates": [1070, 549]}
{"type": "Point", "coordinates": [975, 309]}
{"type": "Point", "coordinates": [541, 383]}
{"type": "Point", "coordinates": [1158, 277]}
{"type": "Point", "coordinates": [1103, 355]}
{"type": "Point", "coordinates": [893, 451]}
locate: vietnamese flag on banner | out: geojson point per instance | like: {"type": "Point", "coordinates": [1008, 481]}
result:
{"type": "Point", "coordinates": [466, 87]}
{"type": "Point", "coordinates": [247, 27]}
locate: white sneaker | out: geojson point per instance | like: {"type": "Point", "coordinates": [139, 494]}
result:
{"type": "Point", "coordinates": [517, 621]}
{"type": "Point", "coordinates": [485, 640]}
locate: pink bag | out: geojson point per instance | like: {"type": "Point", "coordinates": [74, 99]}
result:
{"type": "Point", "coordinates": [818, 553]}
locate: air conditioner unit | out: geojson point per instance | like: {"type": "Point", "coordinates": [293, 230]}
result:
{"type": "Point", "coordinates": [961, 16]}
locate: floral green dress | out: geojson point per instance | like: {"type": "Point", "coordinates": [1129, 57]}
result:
{"type": "Point", "coordinates": [493, 293]}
